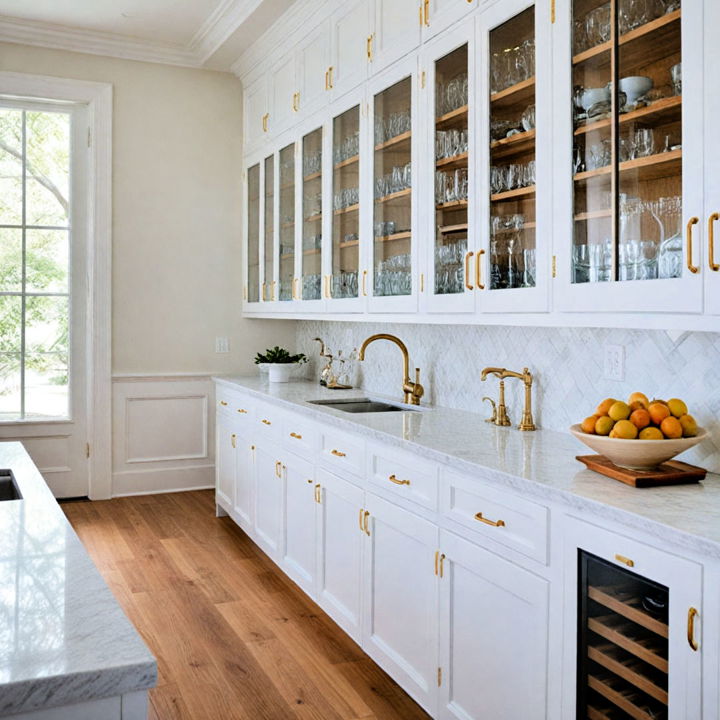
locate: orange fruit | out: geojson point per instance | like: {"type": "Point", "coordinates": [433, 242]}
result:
{"type": "Point", "coordinates": [640, 418]}
{"type": "Point", "coordinates": [604, 425]}
{"type": "Point", "coordinates": [658, 412]}
{"type": "Point", "coordinates": [637, 405]}
{"type": "Point", "coordinates": [624, 430]}
{"type": "Point", "coordinates": [658, 400]}
{"type": "Point", "coordinates": [651, 433]}
{"type": "Point", "coordinates": [638, 398]}
{"type": "Point", "coordinates": [677, 407]}
{"type": "Point", "coordinates": [604, 406]}
{"type": "Point", "coordinates": [671, 428]}
{"type": "Point", "coordinates": [588, 424]}
{"type": "Point", "coordinates": [619, 411]}
{"type": "Point", "coordinates": [689, 426]}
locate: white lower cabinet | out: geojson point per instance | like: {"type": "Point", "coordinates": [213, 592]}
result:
{"type": "Point", "coordinates": [269, 492]}
{"type": "Point", "coordinates": [493, 636]}
{"type": "Point", "coordinates": [400, 597]}
{"type": "Point", "coordinates": [244, 482]}
{"type": "Point", "coordinates": [226, 440]}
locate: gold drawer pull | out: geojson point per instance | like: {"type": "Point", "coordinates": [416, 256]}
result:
{"type": "Point", "coordinates": [494, 523]}
{"type": "Point", "coordinates": [478, 270]}
{"type": "Point", "coordinates": [278, 469]}
{"type": "Point", "coordinates": [242, 411]}
{"type": "Point", "coordinates": [365, 523]}
{"type": "Point", "coordinates": [715, 267]}
{"type": "Point", "coordinates": [692, 642]}
{"type": "Point", "coordinates": [232, 439]}
{"type": "Point", "coordinates": [222, 402]}
{"type": "Point", "coordinates": [625, 560]}
{"type": "Point", "coordinates": [689, 237]}
{"type": "Point", "coordinates": [442, 564]}
{"type": "Point", "coordinates": [393, 479]}
{"type": "Point", "coordinates": [360, 519]}
{"type": "Point", "coordinates": [318, 494]}
{"type": "Point", "coordinates": [296, 436]}
{"type": "Point", "coordinates": [266, 422]}
{"type": "Point", "coordinates": [337, 453]}
{"type": "Point", "coordinates": [468, 256]}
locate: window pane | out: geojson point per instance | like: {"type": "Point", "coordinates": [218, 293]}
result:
{"type": "Point", "coordinates": [9, 386]}
{"type": "Point", "coordinates": [46, 385]}
{"type": "Point", "coordinates": [48, 168]}
{"type": "Point", "coordinates": [10, 324]}
{"type": "Point", "coordinates": [46, 261]}
{"type": "Point", "coordinates": [10, 260]}
{"type": "Point", "coordinates": [10, 167]}
{"type": "Point", "coordinates": [46, 325]}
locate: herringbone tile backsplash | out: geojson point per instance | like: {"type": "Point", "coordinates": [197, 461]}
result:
{"type": "Point", "coordinates": [567, 364]}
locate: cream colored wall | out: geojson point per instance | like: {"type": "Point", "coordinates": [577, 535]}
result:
{"type": "Point", "coordinates": [177, 220]}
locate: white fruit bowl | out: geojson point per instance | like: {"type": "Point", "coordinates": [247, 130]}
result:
{"type": "Point", "coordinates": [637, 454]}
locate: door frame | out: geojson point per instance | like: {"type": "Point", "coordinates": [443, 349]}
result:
{"type": "Point", "coordinates": [98, 98]}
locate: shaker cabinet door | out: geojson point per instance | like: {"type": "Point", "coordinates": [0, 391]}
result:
{"type": "Point", "coordinates": [269, 497]}
{"type": "Point", "coordinates": [397, 30]}
{"type": "Point", "coordinates": [351, 38]}
{"type": "Point", "coordinates": [225, 461]}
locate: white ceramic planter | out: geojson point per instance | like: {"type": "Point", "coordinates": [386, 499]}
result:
{"type": "Point", "coordinates": [280, 372]}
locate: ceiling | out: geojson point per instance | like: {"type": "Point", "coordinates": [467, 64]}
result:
{"type": "Point", "coordinates": [195, 33]}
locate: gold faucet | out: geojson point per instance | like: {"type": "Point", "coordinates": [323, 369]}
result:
{"type": "Point", "coordinates": [413, 391]}
{"type": "Point", "coordinates": [526, 376]}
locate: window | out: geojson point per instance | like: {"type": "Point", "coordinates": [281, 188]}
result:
{"type": "Point", "coordinates": [35, 226]}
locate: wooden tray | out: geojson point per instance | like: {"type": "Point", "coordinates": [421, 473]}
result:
{"type": "Point", "coordinates": [672, 472]}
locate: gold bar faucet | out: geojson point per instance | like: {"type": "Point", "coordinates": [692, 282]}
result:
{"type": "Point", "coordinates": [412, 391]}
{"type": "Point", "coordinates": [526, 376]}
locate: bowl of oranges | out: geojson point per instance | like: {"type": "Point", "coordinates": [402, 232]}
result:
{"type": "Point", "coordinates": [639, 434]}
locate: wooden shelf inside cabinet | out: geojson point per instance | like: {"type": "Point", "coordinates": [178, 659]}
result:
{"type": "Point", "coordinates": [314, 218]}
{"type": "Point", "coordinates": [593, 53]}
{"type": "Point", "coordinates": [450, 229]}
{"type": "Point", "coordinates": [665, 110]}
{"type": "Point", "coordinates": [618, 631]}
{"type": "Point", "coordinates": [522, 92]}
{"type": "Point", "coordinates": [396, 141]}
{"type": "Point", "coordinates": [454, 205]}
{"type": "Point", "coordinates": [347, 162]}
{"type": "Point", "coordinates": [629, 605]}
{"type": "Point", "coordinates": [452, 163]}
{"type": "Point", "coordinates": [518, 144]}
{"type": "Point", "coordinates": [526, 226]}
{"type": "Point", "coordinates": [348, 244]}
{"type": "Point", "coordinates": [287, 225]}
{"type": "Point", "coordinates": [312, 251]}
{"type": "Point", "coordinates": [517, 194]}
{"type": "Point", "coordinates": [349, 209]}
{"type": "Point", "coordinates": [313, 176]}
{"type": "Point", "coordinates": [618, 699]}
{"type": "Point", "coordinates": [395, 236]}
{"type": "Point", "coordinates": [394, 196]}
{"type": "Point", "coordinates": [454, 118]}
{"type": "Point", "coordinates": [655, 166]}
{"type": "Point", "coordinates": [593, 215]}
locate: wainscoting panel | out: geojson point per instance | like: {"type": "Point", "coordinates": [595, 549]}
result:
{"type": "Point", "coordinates": [162, 433]}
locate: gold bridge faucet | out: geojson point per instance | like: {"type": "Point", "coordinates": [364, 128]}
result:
{"type": "Point", "coordinates": [501, 416]}
{"type": "Point", "coordinates": [413, 391]}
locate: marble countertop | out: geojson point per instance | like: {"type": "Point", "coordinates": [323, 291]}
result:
{"type": "Point", "coordinates": [539, 464]}
{"type": "Point", "coordinates": [63, 637]}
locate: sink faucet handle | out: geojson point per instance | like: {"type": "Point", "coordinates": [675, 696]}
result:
{"type": "Point", "coordinates": [418, 390]}
{"type": "Point", "coordinates": [493, 417]}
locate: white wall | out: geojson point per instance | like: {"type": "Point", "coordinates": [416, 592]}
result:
{"type": "Point", "coordinates": [177, 222]}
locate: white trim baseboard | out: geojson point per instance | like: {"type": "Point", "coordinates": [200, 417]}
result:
{"type": "Point", "coordinates": [163, 480]}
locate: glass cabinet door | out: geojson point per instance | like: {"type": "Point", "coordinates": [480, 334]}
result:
{"type": "Point", "coordinates": [311, 264]}
{"type": "Point", "coordinates": [287, 223]}
{"type": "Point", "coordinates": [268, 286]}
{"type": "Point", "coordinates": [252, 234]}
{"type": "Point", "coordinates": [345, 259]}
{"type": "Point", "coordinates": [392, 187]}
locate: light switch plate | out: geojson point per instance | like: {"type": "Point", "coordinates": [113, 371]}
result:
{"type": "Point", "coordinates": [614, 362]}
{"type": "Point", "coordinates": [222, 345]}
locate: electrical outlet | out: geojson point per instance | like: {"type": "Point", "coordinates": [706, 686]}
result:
{"type": "Point", "coordinates": [614, 362]}
{"type": "Point", "coordinates": [222, 345]}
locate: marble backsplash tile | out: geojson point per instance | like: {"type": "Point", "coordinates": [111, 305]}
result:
{"type": "Point", "coordinates": [567, 364]}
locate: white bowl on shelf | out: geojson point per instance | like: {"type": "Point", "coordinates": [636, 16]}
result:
{"type": "Point", "coordinates": [635, 87]}
{"type": "Point", "coordinates": [637, 454]}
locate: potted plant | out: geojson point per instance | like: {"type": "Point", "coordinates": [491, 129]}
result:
{"type": "Point", "coordinates": [279, 363]}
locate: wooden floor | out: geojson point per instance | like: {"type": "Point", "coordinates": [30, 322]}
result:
{"type": "Point", "coordinates": [234, 638]}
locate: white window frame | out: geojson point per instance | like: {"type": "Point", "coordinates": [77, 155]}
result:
{"type": "Point", "coordinates": [98, 99]}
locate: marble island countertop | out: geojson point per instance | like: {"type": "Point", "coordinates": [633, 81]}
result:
{"type": "Point", "coordinates": [539, 464]}
{"type": "Point", "coordinates": [63, 637]}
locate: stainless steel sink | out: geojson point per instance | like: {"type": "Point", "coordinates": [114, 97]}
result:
{"type": "Point", "coordinates": [361, 405]}
{"type": "Point", "coordinates": [8, 487]}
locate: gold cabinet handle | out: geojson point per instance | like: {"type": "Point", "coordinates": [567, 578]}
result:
{"type": "Point", "coordinates": [394, 479]}
{"type": "Point", "coordinates": [318, 496]}
{"type": "Point", "coordinates": [337, 453]}
{"type": "Point", "coordinates": [364, 283]}
{"type": "Point", "coordinates": [366, 517]}
{"type": "Point", "coordinates": [332, 79]}
{"type": "Point", "coordinates": [494, 523]}
{"type": "Point", "coordinates": [715, 267]}
{"type": "Point", "coordinates": [223, 403]}
{"type": "Point", "coordinates": [242, 411]}
{"type": "Point", "coordinates": [296, 436]}
{"type": "Point", "coordinates": [426, 13]}
{"type": "Point", "coordinates": [692, 642]}
{"type": "Point", "coordinates": [437, 556]}
{"type": "Point", "coordinates": [266, 422]}
{"type": "Point", "coordinates": [625, 560]}
{"type": "Point", "coordinates": [369, 48]}
{"type": "Point", "coordinates": [327, 286]}
{"type": "Point", "coordinates": [420, 14]}
{"type": "Point", "coordinates": [468, 256]}
{"type": "Point", "coordinates": [278, 465]}
{"type": "Point", "coordinates": [442, 564]}
{"type": "Point", "coordinates": [360, 520]}
{"type": "Point", "coordinates": [689, 235]}
{"type": "Point", "coordinates": [233, 437]}
{"type": "Point", "coordinates": [264, 286]}
{"type": "Point", "coordinates": [478, 270]}
{"type": "Point", "coordinates": [296, 102]}
{"type": "Point", "coordinates": [265, 119]}
{"type": "Point", "coordinates": [327, 81]}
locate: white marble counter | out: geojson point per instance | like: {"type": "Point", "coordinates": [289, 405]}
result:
{"type": "Point", "coordinates": [63, 637]}
{"type": "Point", "coordinates": [540, 464]}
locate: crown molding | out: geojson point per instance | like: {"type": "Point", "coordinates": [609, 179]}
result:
{"type": "Point", "coordinates": [59, 37]}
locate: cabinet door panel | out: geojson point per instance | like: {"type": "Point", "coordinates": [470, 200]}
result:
{"type": "Point", "coordinates": [268, 499]}
{"type": "Point", "coordinates": [244, 482]}
{"type": "Point", "coordinates": [400, 627]}
{"type": "Point", "coordinates": [397, 30]}
{"type": "Point", "coordinates": [313, 67]}
{"type": "Point", "coordinates": [255, 104]}
{"type": "Point", "coordinates": [712, 150]}
{"type": "Point", "coordinates": [493, 636]}
{"type": "Point", "coordinates": [443, 13]}
{"type": "Point", "coordinates": [340, 552]}
{"type": "Point", "coordinates": [225, 462]}
{"type": "Point", "coordinates": [350, 31]}
{"type": "Point", "coordinates": [284, 86]}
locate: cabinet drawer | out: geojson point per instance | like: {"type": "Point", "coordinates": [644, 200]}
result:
{"type": "Point", "coordinates": [267, 423]}
{"type": "Point", "coordinates": [404, 475]}
{"type": "Point", "coordinates": [300, 436]}
{"type": "Point", "coordinates": [341, 452]}
{"type": "Point", "coordinates": [483, 511]}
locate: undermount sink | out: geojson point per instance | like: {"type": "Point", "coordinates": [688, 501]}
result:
{"type": "Point", "coordinates": [8, 488]}
{"type": "Point", "coordinates": [361, 405]}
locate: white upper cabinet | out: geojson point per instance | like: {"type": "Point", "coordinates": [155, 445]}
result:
{"type": "Point", "coordinates": [351, 46]}
{"type": "Point", "coordinates": [314, 70]}
{"type": "Point", "coordinates": [256, 115]}
{"type": "Point", "coordinates": [396, 30]}
{"type": "Point", "coordinates": [440, 14]}
{"type": "Point", "coordinates": [285, 95]}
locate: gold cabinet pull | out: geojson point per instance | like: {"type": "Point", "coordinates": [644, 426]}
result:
{"type": "Point", "coordinates": [296, 102]}
{"type": "Point", "coordinates": [332, 79]}
{"type": "Point", "coordinates": [478, 270]}
{"type": "Point", "coordinates": [426, 13]}
{"type": "Point", "coordinates": [692, 642]}
{"type": "Point", "coordinates": [233, 437]}
{"type": "Point", "coordinates": [369, 48]}
{"type": "Point", "coordinates": [360, 520]}
{"type": "Point", "coordinates": [263, 290]}
{"type": "Point", "coordinates": [296, 436]}
{"type": "Point", "coordinates": [420, 13]}
{"type": "Point", "coordinates": [242, 411]}
{"type": "Point", "coordinates": [437, 556]}
{"type": "Point", "coordinates": [223, 403]}
{"type": "Point", "coordinates": [468, 256]}
{"type": "Point", "coordinates": [318, 491]}
{"type": "Point", "coordinates": [327, 80]}
{"type": "Point", "coordinates": [394, 479]}
{"type": "Point", "coordinates": [366, 518]}
{"type": "Point", "coordinates": [265, 119]}
{"type": "Point", "coordinates": [364, 283]}
{"type": "Point", "coordinates": [494, 523]}
{"type": "Point", "coordinates": [266, 422]}
{"type": "Point", "coordinates": [689, 235]}
{"type": "Point", "coordinates": [442, 564]}
{"type": "Point", "coordinates": [715, 267]}
{"type": "Point", "coordinates": [625, 560]}
{"type": "Point", "coordinates": [278, 464]}
{"type": "Point", "coordinates": [337, 453]}
{"type": "Point", "coordinates": [310, 482]}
